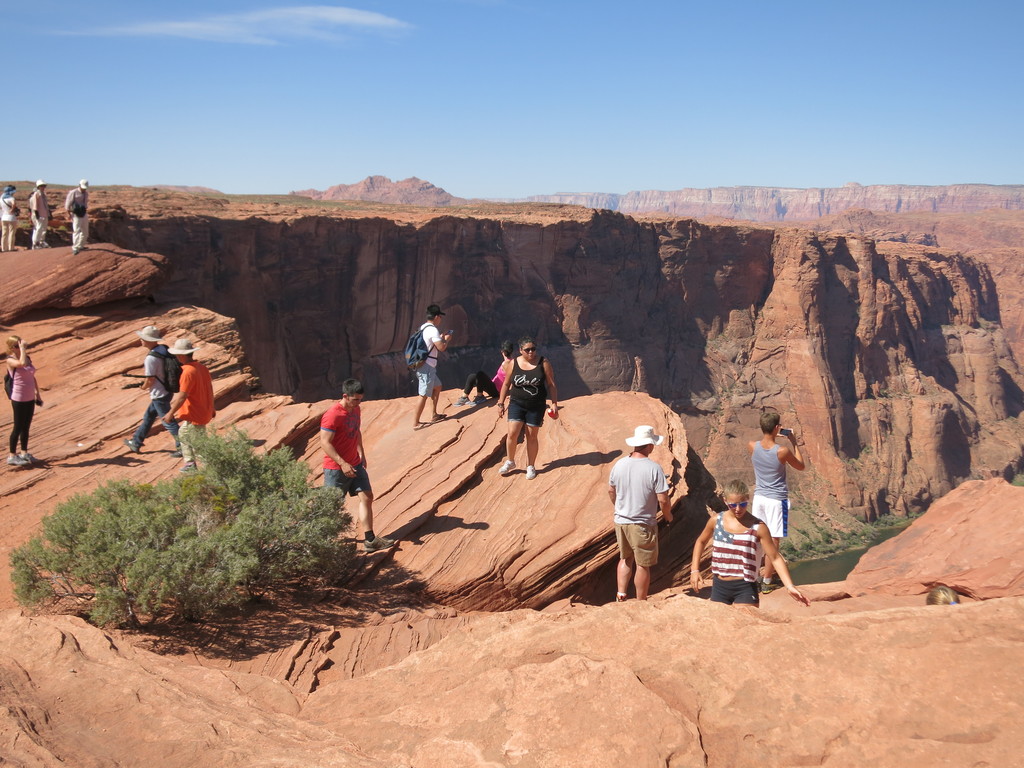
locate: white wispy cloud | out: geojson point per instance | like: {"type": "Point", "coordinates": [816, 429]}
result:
{"type": "Point", "coordinates": [271, 26]}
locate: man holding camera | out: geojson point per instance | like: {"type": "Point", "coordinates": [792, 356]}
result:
{"type": "Point", "coordinates": [771, 494]}
{"type": "Point", "coordinates": [77, 205]}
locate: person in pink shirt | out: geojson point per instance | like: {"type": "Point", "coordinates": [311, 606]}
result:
{"type": "Point", "coordinates": [24, 394]}
{"type": "Point", "coordinates": [486, 387]}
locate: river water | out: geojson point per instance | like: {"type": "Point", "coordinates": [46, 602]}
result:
{"type": "Point", "coordinates": [836, 567]}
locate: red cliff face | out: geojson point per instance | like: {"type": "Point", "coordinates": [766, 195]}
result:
{"type": "Point", "coordinates": [891, 365]}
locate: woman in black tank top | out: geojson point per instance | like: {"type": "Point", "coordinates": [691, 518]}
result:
{"type": "Point", "coordinates": [529, 382]}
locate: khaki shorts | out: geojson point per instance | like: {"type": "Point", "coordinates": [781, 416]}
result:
{"type": "Point", "coordinates": [638, 542]}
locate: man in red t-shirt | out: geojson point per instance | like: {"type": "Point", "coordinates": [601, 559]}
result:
{"type": "Point", "coordinates": [341, 438]}
{"type": "Point", "coordinates": [192, 405]}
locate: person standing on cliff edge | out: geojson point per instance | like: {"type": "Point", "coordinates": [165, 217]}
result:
{"type": "Point", "coordinates": [638, 488]}
{"type": "Point", "coordinates": [77, 205]}
{"type": "Point", "coordinates": [428, 383]}
{"type": "Point", "coordinates": [771, 493]}
{"type": "Point", "coordinates": [40, 210]}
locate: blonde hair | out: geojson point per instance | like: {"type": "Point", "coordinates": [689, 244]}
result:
{"type": "Point", "coordinates": [12, 344]}
{"type": "Point", "coordinates": [943, 596]}
{"type": "Point", "coordinates": [736, 488]}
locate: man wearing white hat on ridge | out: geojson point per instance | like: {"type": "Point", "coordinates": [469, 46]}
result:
{"type": "Point", "coordinates": [77, 204]}
{"type": "Point", "coordinates": [159, 385]}
{"type": "Point", "coordinates": [40, 209]}
{"type": "Point", "coordinates": [192, 405]}
{"type": "Point", "coordinates": [638, 488]}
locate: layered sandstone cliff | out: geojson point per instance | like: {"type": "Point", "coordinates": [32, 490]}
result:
{"type": "Point", "coordinates": [781, 204]}
{"type": "Point", "coordinates": [891, 363]}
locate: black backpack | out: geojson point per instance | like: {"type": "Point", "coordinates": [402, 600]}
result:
{"type": "Point", "coordinates": [416, 352]}
{"type": "Point", "coordinates": [172, 370]}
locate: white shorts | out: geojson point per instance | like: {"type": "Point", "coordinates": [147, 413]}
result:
{"type": "Point", "coordinates": [774, 514]}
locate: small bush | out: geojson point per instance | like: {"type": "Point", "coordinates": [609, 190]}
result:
{"type": "Point", "coordinates": [188, 546]}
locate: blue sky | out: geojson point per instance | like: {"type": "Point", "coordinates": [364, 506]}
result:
{"type": "Point", "coordinates": [508, 98]}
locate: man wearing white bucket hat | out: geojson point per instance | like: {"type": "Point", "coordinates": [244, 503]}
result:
{"type": "Point", "coordinates": [192, 406]}
{"type": "Point", "coordinates": [77, 204]}
{"type": "Point", "coordinates": [638, 488]}
{"type": "Point", "coordinates": [160, 385]}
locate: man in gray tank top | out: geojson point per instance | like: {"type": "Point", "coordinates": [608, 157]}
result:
{"type": "Point", "coordinates": [771, 494]}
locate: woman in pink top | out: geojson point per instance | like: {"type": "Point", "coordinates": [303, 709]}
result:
{"type": "Point", "coordinates": [486, 387]}
{"type": "Point", "coordinates": [24, 394]}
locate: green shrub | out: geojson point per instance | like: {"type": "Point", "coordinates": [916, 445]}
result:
{"type": "Point", "coordinates": [185, 547]}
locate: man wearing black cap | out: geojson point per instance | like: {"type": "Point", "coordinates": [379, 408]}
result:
{"type": "Point", "coordinates": [429, 385]}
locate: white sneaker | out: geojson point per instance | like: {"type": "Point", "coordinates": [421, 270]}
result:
{"type": "Point", "coordinates": [17, 461]}
{"type": "Point", "coordinates": [530, 472]}
{"type": "Point", "coordinates": [507, 467]}
{"type": "Point", "coordinates": [462, 401]}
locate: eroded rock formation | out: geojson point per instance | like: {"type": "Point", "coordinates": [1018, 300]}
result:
{"type": "Point", "coordinates": [891, 362]}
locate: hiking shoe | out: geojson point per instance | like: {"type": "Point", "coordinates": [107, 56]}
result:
{"type": "Point", "coordinates": [530, 472]}
{"type": "Point", "coordinates": [28, 457]}
{"type": "Point", "coordinates": [189, 467]}
{"type": "Point", "coordinates": [176, 453]}
{"type": "Point", "coordinates": [507, 467]}
{"type": "Point", "coordinates": [462, 401]}
{"type": "Point", "coordinates": [379, 543]}
{"type": "Point", "coordinates": [16, 461]}
{"type": "Point", "coordinates": [132, 445]}
{"type": "Point", "coordinates": [479, 399]}
{"type": "Point", "coordinates": [768, 587]}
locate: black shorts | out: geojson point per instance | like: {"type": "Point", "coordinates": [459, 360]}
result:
{"type": "Point", "coordinates": [533, 415]}
{"type": "Point", "coordinates": [736, 592]}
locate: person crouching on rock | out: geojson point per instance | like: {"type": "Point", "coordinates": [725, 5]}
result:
{"type": "Point", "coordinates": [486, 387]}
{"type": "Point", "coordinates": [24, 394]}
{"type": "Point", "coordinates": [739, 539]}
{"type": "Point", "coordinates": [192, 406]}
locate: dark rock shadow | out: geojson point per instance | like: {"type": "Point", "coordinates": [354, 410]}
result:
{"type": "Point", "coordinates": [589, 459]}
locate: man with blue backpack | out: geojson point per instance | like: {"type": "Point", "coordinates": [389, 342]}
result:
{"type": "Point", "coordinates": [421, 357]}
{"type": "Point", "coordinates": [162, 373]}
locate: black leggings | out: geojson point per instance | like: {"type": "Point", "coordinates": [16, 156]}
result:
{"type": "Point", "coordinates": [22, 421]}
{"type": "Point", "coordinates": [483, 385]}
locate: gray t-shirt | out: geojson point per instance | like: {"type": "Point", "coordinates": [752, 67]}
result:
{"type": "Point", "coordinates": [154, 366]}
{"type": "Point", "coordinates": [769, 473]}
{"type": "Point", "coordinates": [637, 483]}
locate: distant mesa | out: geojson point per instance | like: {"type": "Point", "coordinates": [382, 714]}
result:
{"type": "Point", "coordinates": [764, 204]}
{"type": "Point", "coordinates": [381, 189]}
{"type": "Point", "coordinates": [776, 204]}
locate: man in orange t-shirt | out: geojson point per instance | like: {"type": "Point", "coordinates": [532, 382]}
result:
{"type": "Point", "coordinates": [192, 405]}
